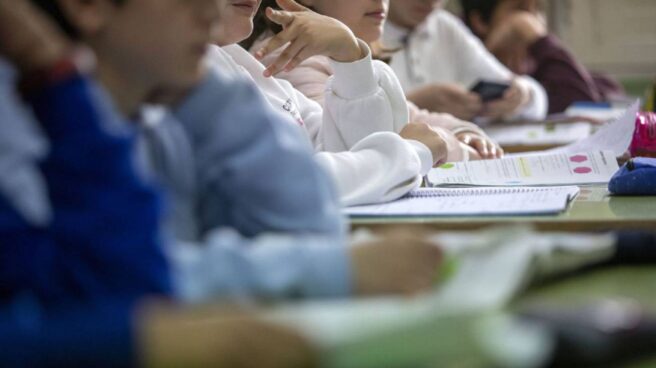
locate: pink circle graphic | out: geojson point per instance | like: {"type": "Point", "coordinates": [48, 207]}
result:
{"type": "Point", "coordinates": [583, 170]}
{"type": "Point", "coordinates": [579, 158]}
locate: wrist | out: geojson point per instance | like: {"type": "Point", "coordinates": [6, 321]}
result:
{"type": "Point", "coordinates": [352, 53]}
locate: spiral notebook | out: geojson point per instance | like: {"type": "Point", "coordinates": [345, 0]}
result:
{"type": "Point", "coordinates": [486, 201]}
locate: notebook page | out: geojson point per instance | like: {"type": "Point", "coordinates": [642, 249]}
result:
{"type": "Point", "coordinates": [545, 169]}
{"type": "Point", "coordinates": [473, 202]}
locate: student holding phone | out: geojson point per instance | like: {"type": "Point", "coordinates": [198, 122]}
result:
{"type": "Point", "coordinates": [438, 60]}
{"type": "Point", "coordinates": [515, 32]}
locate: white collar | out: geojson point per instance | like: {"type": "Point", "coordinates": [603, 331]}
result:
{"type": "Point", "coordinates": [394, 36]}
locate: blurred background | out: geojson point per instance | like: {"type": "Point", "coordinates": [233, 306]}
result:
{"type": "Point", "coordinates": [617, 37]}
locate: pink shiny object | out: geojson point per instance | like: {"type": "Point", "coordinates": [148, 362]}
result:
{"type": "Point", "coordinates": [644, 137]}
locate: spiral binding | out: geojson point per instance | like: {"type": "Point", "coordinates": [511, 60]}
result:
{"type": "Point", "coordinates": [444, 192]}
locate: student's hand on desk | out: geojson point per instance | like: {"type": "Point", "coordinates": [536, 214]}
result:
{"type": "Point", "coordinates": [485, 147]}
{"type": "Point", "coordinates": [429, 137]}
{"type": "Point", "coordinates": [398, 264]}
{"type": "Point", "coordinates": [472, 153]}
{"type": "Point", "coordinates": [307, 34]}
{"type": "Point", "coordinates": [218, 337]}
{"type": "Point", "coordinates": [28, 38]}
{"type": "Point", "coordinates": [513, 99]}
{"type": "Point", "coordinates": [448, 98]}
{"type": "Point", "coordinates": [511, 39]}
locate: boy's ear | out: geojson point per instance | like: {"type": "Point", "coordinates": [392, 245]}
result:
{"type": "Point", "coordinates": [87, 16]}
{"type": "Point", "coordinates": [478, 25]}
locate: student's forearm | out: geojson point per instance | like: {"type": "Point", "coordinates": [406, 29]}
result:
{"type": "Point", "coordinates": [256, 170]}
{"type": "Point", "coordinates": [380, 168]}
{"type": "Point", "coordinates": [423, 97]}
{"type": "Point", "coordinates": [229, 266]}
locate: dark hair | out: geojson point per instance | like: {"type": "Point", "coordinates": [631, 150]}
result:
{"type": "Point", "coordinates": [51, 7]}
{"type": "Point", "coordinates": [262, 26]}
{"type": "Point", "coordinates": [484, 7]}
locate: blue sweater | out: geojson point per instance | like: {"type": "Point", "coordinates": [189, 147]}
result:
{"type": "Point", "coordinates": [99, 253]}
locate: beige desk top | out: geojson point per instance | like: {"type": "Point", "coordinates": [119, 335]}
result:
{"type": "Point", "coordinates": [593, 210]}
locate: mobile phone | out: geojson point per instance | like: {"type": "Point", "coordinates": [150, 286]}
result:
{"type": "Point", "coordinates": [490, 91]}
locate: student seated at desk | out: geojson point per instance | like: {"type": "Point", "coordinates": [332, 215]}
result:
{"type": "Point", "coordinates": [252, 214]}
{"type": "Point", "coordinates": [516, 33]}
{"type": "Point", "coordinates": [80, 250]}
{"type": "Point", "coordinates": [439, 59]}
{"type": "Point", "coordinates": [357, 84]}
{"type": "Point", "coordinates": [378, 167]}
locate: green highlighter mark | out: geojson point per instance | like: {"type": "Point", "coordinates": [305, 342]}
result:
{"type": "Point", "coordinates": [447, 166]}
{"type": "Point", "coordinates": [447, 269]}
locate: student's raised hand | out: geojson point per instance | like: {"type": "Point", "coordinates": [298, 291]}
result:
{"type": "Point", "coordinates": [397, 264]}
{"type": "Point", "coordinates": [448, 98]}
{"type": "Point", "coordinates": [28, 38]}
{"type": "Point", "coordinates": [513, 99]}
{"type": "Point", "coordinates": [484, 146]}
{"type": "Point", "coordinates": [429, 137]}
{"type": "Point", "coordinates": [218, 337]}
{"type": "Point", "coordinates": [305, 34]}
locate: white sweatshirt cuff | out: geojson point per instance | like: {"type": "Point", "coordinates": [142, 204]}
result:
{"type": "Point", "coordinates": [425, 155]}
{"type": "Point", "coordinates": [355, 79]}
{"type": "Point", "coordinates": [537, 106]}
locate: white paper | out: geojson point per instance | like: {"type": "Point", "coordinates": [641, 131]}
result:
{"type": "Point", "coordinates": [615, 136]}
{"type": "Point", "coordinates": [540, 134]}
{"type": "Point", "coordinates": [599, 113]}
{"type": "Point", "coordinates": [544, 169]}
{"type": "Point", "coordinates": [473, 201]}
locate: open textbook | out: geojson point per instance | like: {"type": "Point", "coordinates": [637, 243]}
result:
{"type": "Point", "coordinates": [473, 201]}
{"type": "Point", "coordinates": [545, 169]}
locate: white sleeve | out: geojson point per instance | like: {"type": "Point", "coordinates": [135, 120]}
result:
{"type": "Point", "coordinates": [313, 116]}
{"type": "Point", "coordinates": [380, 168]}
{"type": "Point", "coordinates": [538, 106]}
{"type": "Point", "coordinates": [477, 63]}
{"type": "Point", "coordinates": [361, 98]}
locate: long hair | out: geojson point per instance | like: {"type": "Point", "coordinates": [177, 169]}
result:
{"type": "Point", "coordinates": [484, 7]}
{"type": "Point", "coordinates": [262, 26]}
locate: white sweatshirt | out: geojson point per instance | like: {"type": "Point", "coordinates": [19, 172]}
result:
{"type": "Point", "coordinates": [378, 167]}
{"type": "Point", "coordinates": [443, 50]}
{"type": "Point", "coordinates": [321, 79]}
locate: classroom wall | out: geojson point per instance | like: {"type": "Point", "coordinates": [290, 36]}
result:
{"type": "Point", "coordinates": [615, 36]}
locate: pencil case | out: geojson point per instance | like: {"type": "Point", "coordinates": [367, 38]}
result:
{"type": "Point", "coordinates": [644, 136]}
{"type": "Point", "coordinates": [636, 177]}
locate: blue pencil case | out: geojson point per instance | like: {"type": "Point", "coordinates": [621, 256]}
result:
{"type": "Point", "coordinates": [636, 177]}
